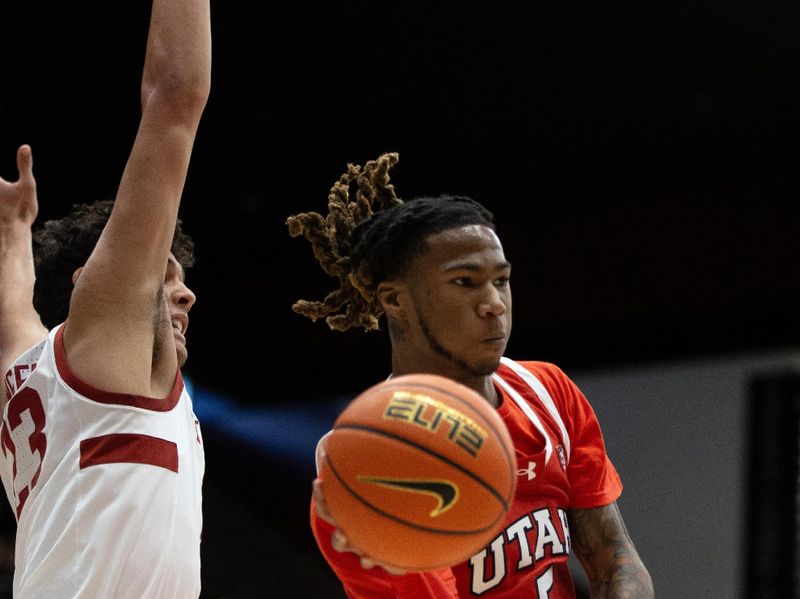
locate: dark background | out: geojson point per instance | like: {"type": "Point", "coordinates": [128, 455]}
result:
{"type": "Point", "coordinates": [641, 160]}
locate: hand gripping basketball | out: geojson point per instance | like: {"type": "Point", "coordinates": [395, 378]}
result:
{"type": "Point", "coordinates": [418, 473]}
{"type": "Point", "coordinates": [338, 540]}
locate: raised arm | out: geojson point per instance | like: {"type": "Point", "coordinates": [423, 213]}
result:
{"type": "Point", "coordinates": [110, 331]}
{"type": "Point", "coordinates": [601, 543]}
{"type": "Point", "coordinates": [20, 326]}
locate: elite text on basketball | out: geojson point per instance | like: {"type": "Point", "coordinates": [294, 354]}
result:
{"type": "Point", "coordinates": [426, 412]}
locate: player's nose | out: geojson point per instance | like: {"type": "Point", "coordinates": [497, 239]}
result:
{"type": "Point", "coordinates": [492, 302]}
{"type": "Point", "coordinates": [183, 296]}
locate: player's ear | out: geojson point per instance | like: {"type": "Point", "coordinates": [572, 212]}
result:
{"type": "Point", "coordinates": [76, 274]}
{"type": "Point", "coordinates": [393, 297]}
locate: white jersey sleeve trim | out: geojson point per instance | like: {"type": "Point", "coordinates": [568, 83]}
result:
{"type": "Point", "coordinates": [541, 392]}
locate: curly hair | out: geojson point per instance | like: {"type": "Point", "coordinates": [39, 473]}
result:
{"type": "Point", "coordinates": [62, 246]}
{"type": "Point", "coordinates": [373, 239]}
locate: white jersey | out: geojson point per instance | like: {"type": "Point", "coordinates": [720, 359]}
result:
{"type": "Point", "coordinates": [106, 487]}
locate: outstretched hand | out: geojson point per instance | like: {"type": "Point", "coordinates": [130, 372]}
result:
{"type": "Point", "coordinates": [18, 199]}
{"type": "Point", "coordinates": [339, 541]}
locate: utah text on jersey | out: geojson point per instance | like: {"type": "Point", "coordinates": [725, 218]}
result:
{"type": "Point", "coordinates": [536, 536]}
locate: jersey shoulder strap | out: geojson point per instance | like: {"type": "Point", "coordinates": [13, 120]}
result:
{"type": "Point", "coordinates": [544, 397]}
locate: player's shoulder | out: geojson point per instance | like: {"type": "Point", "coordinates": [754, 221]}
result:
{"type": "Point", "coordinates": [540, 369]}
{"type": "Point", "coordinates": [23, 343]}
{"type": "Point", "coordinates": [554, 380]}
{"type": "Point", "coordinates": [18, 367]}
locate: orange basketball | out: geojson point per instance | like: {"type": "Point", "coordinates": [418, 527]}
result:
{"type": "Point", "coordinates": [419, 472]}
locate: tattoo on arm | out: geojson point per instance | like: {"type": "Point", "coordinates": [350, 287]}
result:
{"type": "Point", "coordinates": [601, 542]}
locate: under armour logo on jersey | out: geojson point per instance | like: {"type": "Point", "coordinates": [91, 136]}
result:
{"type": "Point", "coordinates": [529, 471]}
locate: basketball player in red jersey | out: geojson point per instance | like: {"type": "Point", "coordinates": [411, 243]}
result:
{"type": "Point", "coordinates": [101, 457]}
{"type": "Point", "coordinates": [436, 268]}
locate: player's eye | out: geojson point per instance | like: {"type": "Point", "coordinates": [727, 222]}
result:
{"type": "Point", "coordinates": [501, 281]}
{"type": "Point", "coordinates": [464, 282]}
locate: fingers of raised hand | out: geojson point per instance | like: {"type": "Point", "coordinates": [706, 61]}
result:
{"type": "Point", "coordinates": [19, 197]}
{"type": "Point", "coordinates": [25, 164]}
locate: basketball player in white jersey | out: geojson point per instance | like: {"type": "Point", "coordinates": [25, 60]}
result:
{"type": "Point", "coordinates": [101, 455]}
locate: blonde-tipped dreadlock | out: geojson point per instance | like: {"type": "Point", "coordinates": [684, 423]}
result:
{"type": "Point", "coordinates": [354, 303]}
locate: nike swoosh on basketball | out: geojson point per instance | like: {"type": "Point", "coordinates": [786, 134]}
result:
{"type": "Point", "coordinates": [445, 492]}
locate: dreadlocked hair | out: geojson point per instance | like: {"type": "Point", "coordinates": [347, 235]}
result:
{"type": "Point", "coordinates": [362, 248]}
{"type": "Point", "coordinates": [61, 246]}
{"type": "Point", "coordinates": [330, 241]}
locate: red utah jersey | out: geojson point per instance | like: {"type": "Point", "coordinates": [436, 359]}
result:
{"type": "Point", "coordinates": [561, 464]}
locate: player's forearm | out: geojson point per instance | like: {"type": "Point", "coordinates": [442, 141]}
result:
{"type": "Point", "coordinates": [178, 63]}
{"type": "Point", "coordinates": [626, 580]}
{"type": "Point", "coordinates": [16, 265]}
{"type": "Point", "coordinates": [17, 278]}
{"type": "Point", "coordinates": [604, 548]}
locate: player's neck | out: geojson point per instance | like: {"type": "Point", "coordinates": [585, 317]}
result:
{"type": "Point", "coordinates": [480, 384]}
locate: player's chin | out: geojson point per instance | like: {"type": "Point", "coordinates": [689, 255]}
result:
{"type": "Point", "coordinates": [488, 361]}
{"type": "Point", "coordinates": [485, 366]}
{"type": "Point", "coordinates": [183, 355]}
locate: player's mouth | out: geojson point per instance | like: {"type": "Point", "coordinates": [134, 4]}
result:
{"type": "Point", "coordinates": [495, 343]}
{"type": "Point", "coordinates": [495, 338]}
{"type": "Point", "coordinates": [179, 325]}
